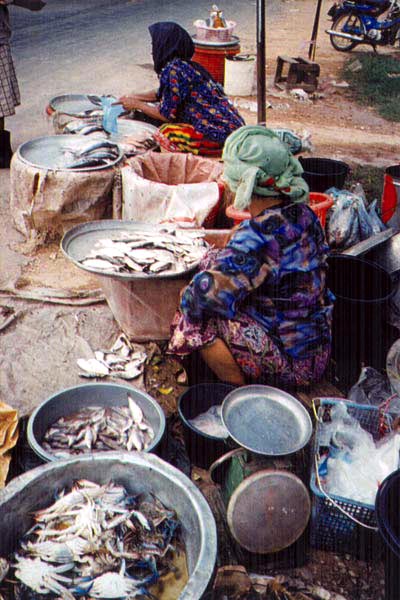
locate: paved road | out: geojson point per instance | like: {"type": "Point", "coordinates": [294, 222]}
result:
{"type": "Point", "coordinates": [98, 46]}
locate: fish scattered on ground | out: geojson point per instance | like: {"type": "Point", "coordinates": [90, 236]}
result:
{"type": "Point", "coordinates": [99, 428]}
{"type": "Point", "coordinates": [121, 361]}
{"type": "Point", "coordinates": [163, 251]}
{"type": "Point", "coordinates": [96, 541]}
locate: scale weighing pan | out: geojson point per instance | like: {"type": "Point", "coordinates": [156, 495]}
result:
{"type": "Point", "coordinates": [266, 420]}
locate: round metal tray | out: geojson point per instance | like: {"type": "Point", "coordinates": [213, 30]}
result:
{"type": "Point", "coordinates": [49, 152]}
{"type": "Point", "coordinates": [75, 105]}
{"type": "Point", "coordinates": [266, 420]}
{"type": "Point", "coordinates": [79, 240]}
{"type": "Point", "coordinates": [232, 42]}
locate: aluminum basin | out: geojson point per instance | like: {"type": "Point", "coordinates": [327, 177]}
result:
{"type": "Point", "coordinates": [138, 473]}
{"type": "Point", "coordinates": [71, 400]}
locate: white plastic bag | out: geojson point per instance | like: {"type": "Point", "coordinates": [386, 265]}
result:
{"type": "Point", "coordinates": [356, 465]}
{"type": "Point", "coordinates": [210, 422]}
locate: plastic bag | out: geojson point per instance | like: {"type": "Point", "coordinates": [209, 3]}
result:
{"type": "Point", "coordinates": [111, 112]}
{"type": "Point", "coordinates": [356, 465]}
{"type": "Point", "coordinates": [210, 422]}
{"type": "Point", "coordinates": [357, 473]}
{"type": "Point", "coordinates": [376, 223]}
{"type": "Point", "coordinates": [295, 142]}
{"type": "Point", "coordinates": [372, 388]}
{"type": "Point", "coordinates": [349, 221]}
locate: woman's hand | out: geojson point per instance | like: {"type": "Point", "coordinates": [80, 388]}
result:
{"type": "Point", "coordinates": [133, 102]}
{"type": "Point", "coordinates": [130, 102]}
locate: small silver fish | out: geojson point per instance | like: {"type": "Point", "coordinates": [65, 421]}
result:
{"type": "Point", "coordinates": [95, 145]}
{"type": "Point", "coordinates": [86, 163]}
{"type": "Point", "coordinates": [98, 263]}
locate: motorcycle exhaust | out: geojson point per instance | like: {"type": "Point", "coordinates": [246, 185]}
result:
{"type": "Point", "coordinates": [348, 36]}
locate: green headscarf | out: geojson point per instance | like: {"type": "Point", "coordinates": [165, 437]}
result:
{"type": "Point", "coordinates": [257, 162]}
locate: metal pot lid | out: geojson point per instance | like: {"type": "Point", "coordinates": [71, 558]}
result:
{"type": "Point", "coordinates": [55, 152]}
{"type": "Point", "coordinates": [266, 420]}
{"type": "Point", "coordinates": [75, 105]}
{"type": "Point", "coordinates": [80, 240]}
{"type": "Point", "coordinates": [268, 511]}
{"type": "Point", "coordinates": [234, 41]}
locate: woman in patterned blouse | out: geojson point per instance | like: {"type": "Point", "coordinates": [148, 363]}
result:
{"type": "Point", "coordinates": [259, 310]}
{"type": "Point", "coordinates": [197, 114]}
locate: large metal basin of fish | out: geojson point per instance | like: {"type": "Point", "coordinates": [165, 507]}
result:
{"type": "Point", "coordinates": [138, 473]}
{"type": "Point", "coordinates": [142, 304]}
{"type": "Point", "coordinates": [69, 401]}
{"type": "Point", "coordinates": [56, 152]}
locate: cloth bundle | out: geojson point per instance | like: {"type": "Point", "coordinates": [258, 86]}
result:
{"type": "Point", "coordinates": [185, 138]}
{"type": "Point", "coordinates": [8, 438]}
{"type": "Point", "coordinates": [258, 162]}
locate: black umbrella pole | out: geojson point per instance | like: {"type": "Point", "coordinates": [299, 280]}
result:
{"type": "Point", "coordinates": [261, 95]}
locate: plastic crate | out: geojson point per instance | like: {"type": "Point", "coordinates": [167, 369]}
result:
{"type": "Point", "coordinates": [331, 529]}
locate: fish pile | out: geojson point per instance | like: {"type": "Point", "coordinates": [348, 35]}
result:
{"type": "Point", "coordinates": [122, 361]}
{"type": "Point", "coordinates": [131, 145]}
{"type": "Point", "coordinates": [168, 251]}
{"type": "Point", "coordinates": [96, 153]}
{"type": "Point", "coordinates": [99, 428]}
{"type": "Point", "coordinates": [84, 126]}
{"type": "Point", "coordinates": [96, 541]}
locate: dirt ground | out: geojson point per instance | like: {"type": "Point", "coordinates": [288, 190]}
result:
{"type": "Point", "coordinates": [339, 128]}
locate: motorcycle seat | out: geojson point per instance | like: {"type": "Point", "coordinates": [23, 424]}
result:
{"type": "Point", "coordinates": [381, 4]}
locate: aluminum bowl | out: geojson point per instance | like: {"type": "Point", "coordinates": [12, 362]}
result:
{"type": "Point", "coordinates": [138, 473]}
{"type": "Point", "coordinates": [73, 399]}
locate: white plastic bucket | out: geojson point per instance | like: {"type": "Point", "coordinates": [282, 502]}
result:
{"type": "Point", "coordinates": [240, 75]}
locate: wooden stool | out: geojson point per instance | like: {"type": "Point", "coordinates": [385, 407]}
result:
{"type": "Point", "coordinates": [301, 73]}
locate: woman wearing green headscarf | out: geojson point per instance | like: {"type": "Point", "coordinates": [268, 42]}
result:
{"type": "Point", "coordinates": [259, 310]}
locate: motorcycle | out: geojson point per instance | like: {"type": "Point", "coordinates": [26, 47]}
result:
{"type": "Point", "coordinates": [355, 23]}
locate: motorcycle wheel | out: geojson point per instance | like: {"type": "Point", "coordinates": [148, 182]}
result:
{"type": "Point", "coordinates": [350, 22]}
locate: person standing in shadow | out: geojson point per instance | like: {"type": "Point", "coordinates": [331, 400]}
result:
{"type": "Point", "coordinates": [9, 90]}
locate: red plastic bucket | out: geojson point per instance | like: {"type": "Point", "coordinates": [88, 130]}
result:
{"type": "Point", "coordinates": [212, 58]}
{"type": "Point", "coordinates": [237, 216]}
{"type": "Point", "coordinates": [320, 204]}
{"type": "Point", "coordinates": [391, 192]}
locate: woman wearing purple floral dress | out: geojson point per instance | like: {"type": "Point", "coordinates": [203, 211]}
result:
{"type": "Point", "coordinates": [197, 114]}
{"type": "Point", "coordinates": [259, 310]}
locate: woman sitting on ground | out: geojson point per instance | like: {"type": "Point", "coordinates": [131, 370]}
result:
{"type": "Point", "coordinates": [259, 311]}
{"type": "Point", "coordinates": [197, 114]}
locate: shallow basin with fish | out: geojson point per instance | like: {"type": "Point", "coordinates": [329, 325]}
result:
{"type": "Point", "coordinates": [69, 153]}
{"type": "Point", "coordinates": [77, 105]}
{"type": "Point", "coordinates": [139, 474]}
{"type": "Point", "coordinates": [68, 402]}
{"type": "Point", "coordinates": [141, 282]}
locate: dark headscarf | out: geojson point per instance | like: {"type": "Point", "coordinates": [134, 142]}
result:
{"type": "Point", "coordinates": [169, 41]}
